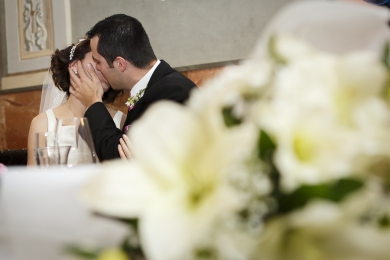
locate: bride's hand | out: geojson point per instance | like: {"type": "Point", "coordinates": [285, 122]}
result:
{"type": "Point", "coordinates": [124, 148]}
{"type": "Point", "coordinates": [85, 84]}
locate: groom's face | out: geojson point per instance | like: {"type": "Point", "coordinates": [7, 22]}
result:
{"type": "Point", "coordinates": [102, 65]}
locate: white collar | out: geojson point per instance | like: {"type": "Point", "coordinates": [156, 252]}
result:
{"type": "Point", "coordinates": [143, 83]}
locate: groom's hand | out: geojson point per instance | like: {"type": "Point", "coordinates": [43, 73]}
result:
{"type": "Point", "coordinates": [85, 84]}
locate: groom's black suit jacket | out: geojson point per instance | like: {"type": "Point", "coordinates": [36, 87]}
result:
{"type": "Point", "coordinates": [165, 84]}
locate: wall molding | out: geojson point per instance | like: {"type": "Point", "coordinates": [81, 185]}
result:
{"type": "Point", "coordinates": [22, 81]}
{"type": "Point", "coordinates": [36, 37]}
{"type": "Point", "coordinates": [24, 70]}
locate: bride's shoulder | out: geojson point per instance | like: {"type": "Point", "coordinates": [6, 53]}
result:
{"type": "Point", "coordinates": [41, 116]}
{"type": "Point", "coordinates": [39, 119]}
{"type": "Point", "coordinates": [39, 123]}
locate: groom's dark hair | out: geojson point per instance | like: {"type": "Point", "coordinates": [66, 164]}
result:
{"type": "Point", "coordinates": [123, 35]}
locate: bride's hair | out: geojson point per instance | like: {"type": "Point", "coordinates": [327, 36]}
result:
{"type": "Point", "coordinates": [59, 65]}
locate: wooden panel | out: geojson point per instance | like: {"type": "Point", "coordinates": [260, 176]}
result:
{"type": "Point", "coordinates": [18, 109]}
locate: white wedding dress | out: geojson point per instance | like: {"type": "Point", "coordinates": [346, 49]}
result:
{"type": "Point", "coordinates": [67, 138]}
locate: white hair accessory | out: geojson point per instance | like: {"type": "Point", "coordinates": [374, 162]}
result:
{"type": "Point", "coordinates": [74, 48]}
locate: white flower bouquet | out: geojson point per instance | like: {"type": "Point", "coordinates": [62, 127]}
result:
{"type": "Point", "coordinates": [285, 156]}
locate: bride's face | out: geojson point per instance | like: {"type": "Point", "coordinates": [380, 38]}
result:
{"type": "Point", "coordinates": [88, 59]}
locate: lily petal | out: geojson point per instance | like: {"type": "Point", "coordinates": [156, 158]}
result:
{"type": "Point", "coordinates": [162, 136]}
{"type": "Point", "coordinates": [120, 190]}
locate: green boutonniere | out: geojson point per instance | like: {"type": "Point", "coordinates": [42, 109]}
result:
{"type": "Point", "coordinates": [131, 101]}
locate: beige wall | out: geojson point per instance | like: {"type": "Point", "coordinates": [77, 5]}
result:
{"type": "Point", "coordinates": [187, 34]}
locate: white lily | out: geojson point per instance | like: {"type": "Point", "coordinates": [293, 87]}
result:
{"type": "Point", "coordinates": [328, 230]}
{"type": "Point", "coordinates": [318, 102]}
{"type": "Point", "coordinates": [178, 184]}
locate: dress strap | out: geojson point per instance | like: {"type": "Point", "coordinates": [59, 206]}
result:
{"type": "Point", "coordinates": [51, 120]}
{"type": "Point", "coordinates": [118, 118]}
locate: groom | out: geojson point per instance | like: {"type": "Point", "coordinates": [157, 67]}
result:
{"type": "Point", "coordinates": [123, 54]}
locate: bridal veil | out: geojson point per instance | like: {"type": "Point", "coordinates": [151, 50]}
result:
{"type": "Point", "coordinates": [51, 96]}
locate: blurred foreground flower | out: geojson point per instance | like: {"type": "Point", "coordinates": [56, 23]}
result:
{"type": "Point", "coordinates": [183, 184]}
{"type": "Point", "coordinates": [283, 157]}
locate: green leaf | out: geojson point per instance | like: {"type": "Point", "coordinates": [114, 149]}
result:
{"type": "Point", "coordinates": [229, 118]}
{"type": "Point", "coordinates": [134, 251]}
{"type": "Point", "coordinates": [205, 254]}
{"type": "Point", "coordinates": [82, 252]}
{"type": "Point", "coordinates": [266, 150]}
{"type": "Point", "coordinates": [386, 89]}
{"type": "Point", "coordinates": [335, 191]}
{"type": "Point", "coordinates": [266, 147]}
{"type": "Point", "coordinates": [386, 62]}
{"type": "Point", "coordinates": [273, 52]}
{"type": "Point", "coordinates": [342, 188]}
{"type": "Point", "coordinates": [386, 56]}
{"type": "Point", "coordinates": [384, 221]}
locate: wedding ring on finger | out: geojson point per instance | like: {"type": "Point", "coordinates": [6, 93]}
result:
{"type": "Point", "coordinates": [76, 72]}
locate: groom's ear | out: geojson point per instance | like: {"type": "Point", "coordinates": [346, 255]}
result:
{"type": "Point", "coordinates": [120, 63]}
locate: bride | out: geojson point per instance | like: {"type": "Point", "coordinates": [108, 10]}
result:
{"type": "Point", "coordinates": [57, 102]}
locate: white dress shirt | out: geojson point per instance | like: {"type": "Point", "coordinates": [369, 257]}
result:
{"type": "Point", "coordinates": [143, 83]}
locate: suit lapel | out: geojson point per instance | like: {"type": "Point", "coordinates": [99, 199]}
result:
{"type": "Point", "coordinates": [127, 121]}
{"type": "Point", "coordinates": [161, 71]}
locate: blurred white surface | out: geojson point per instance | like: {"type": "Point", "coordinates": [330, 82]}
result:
{"type": "Point", "coordinates": [336, 27]}
{"type": "Point", "coordinates": [41, 213]}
